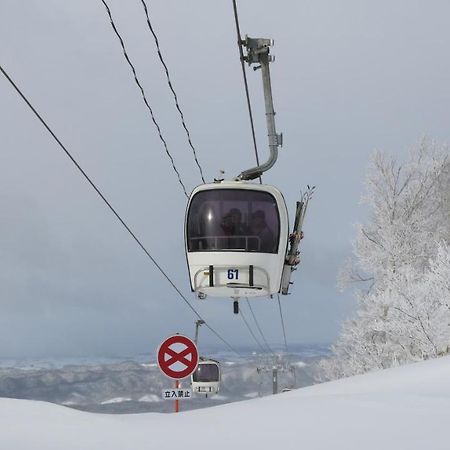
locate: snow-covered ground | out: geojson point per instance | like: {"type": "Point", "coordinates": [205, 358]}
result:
{"type": "Point", "coordinates": [404, 408]}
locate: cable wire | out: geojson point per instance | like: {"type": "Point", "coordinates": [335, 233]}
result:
{"type": "Point", "coordinates": [116, 214]}
{"type": "Point", "coordinates": [259, 328]}
{"type": "Point", "coordinates": [251, 331]}
{"type": "Point", "coordinates": [169, 82]}
{"type": "Point", "coordinates": [282, 324]}
{"type": "Point", "coordinates": [144, 97]}
{"type": "Point", "coordinates": [244, 74]}
{"type": "Point", "coordinates": [238, 32]}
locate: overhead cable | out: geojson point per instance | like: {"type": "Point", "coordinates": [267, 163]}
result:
{"type": "Point", "coordinates": [259, 328]}
{"type": "Point", "coordinates": [244, 74]}
{"type": "Point", "coordinates": [251, 331]}
{"type": "Point", "coordinates": [282, 324]}
{"type": "Point", "coordinates": [144, 97]}
{"type": "Point", "coordinates": [112, 209]}
{"type": "Point", "coordinates": [169, 82]}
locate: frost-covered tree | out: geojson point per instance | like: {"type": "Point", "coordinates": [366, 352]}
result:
{"type": "Point", "coordinates": [400, 257]}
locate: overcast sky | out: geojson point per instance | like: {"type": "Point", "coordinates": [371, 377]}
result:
{"type": "Point", "coordinates": [349, 77]}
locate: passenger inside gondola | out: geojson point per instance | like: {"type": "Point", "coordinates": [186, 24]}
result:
{"type": "Point", "coordinates": [206, 373]}
{"type": "Point", "coordinates": [233, 220]}
{"type": "Point", "coordinates": [233, 228]}
{"type": "Point", "coordinates": [259, 228]}
{"type": "Point", "coordinates": [204, 228]}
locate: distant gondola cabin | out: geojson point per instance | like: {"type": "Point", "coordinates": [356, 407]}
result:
{"type": "Point", "coordinates": [206, 378]}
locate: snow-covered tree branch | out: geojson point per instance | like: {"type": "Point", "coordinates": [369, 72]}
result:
{"type": "Point", "coordinates": [403, 250]}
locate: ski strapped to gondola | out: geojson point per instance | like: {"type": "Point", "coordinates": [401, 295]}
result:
{"type": "Point", "coordinates": [292, 256]}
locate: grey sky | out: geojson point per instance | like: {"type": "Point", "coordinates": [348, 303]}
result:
{"type": "Point", "coordinates": [349, 77]}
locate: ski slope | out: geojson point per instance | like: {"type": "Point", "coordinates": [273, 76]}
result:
{"type": "Point", "coordinates": [404, 408]}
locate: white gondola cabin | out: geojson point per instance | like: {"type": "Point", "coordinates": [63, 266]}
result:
{"type": "Point", "coordinates": [236, 239]}
{"type": "Point", "coordinates": [236, 232]}
{"type": "Point", "coordinates": [206, 378]}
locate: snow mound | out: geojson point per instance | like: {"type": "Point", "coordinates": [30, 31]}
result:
{"type": "Point", "coordinates": [404, 408]}
{"type": "Point", "coordinates": [116, 400]}
{"type": "Point", "coordinates": [150, 398]}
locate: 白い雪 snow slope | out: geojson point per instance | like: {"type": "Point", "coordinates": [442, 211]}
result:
{"type": "Point", "coordinates": [403, 408]}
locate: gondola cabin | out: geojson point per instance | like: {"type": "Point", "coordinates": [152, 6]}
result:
{"type": "Point", "coordinates": [236, 239]}
{"type": "Point", "coordinates": [206, 378]}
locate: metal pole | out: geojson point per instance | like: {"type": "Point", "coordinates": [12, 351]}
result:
{"type": "Point", "coordinates": [270, 113]}
{"type": "Point", "coordinates": [274, 380]}
{"type": "Point", "coordinates": [177, 402]}
{"type": "Point", "coordinates": [258, 53]}
{"type": "Point", "coordinates": [197, 326]}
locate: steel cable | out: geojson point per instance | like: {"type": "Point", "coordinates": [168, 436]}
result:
{"type": "Point", "coordinates": [282, 324]}
{"type": "Point", "coordinates": [259, 328]}
{"type": "Point", "coordinates": [251, 331]}
{"type": "Point", "coordinates": [169, 82]}
{"type": "Point", "coordinates": [112, 209]}
{"type": "Point", "coordinates": [144, 97]}
{"type": "Point", "coordinates": [244, 74]}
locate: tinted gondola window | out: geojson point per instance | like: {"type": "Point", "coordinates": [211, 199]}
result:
{"type": "Point", "coordinates": [206, 373]}
{"type": "Point", "coordinates": [233, 220]}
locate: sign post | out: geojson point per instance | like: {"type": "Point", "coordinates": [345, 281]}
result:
{"type": "Point", "coordinates": [177, 358]}
{"type": "Point", "coordinates": [177, 402]}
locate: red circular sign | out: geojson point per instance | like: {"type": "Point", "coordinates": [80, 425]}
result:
{"type": "Point", "coordinates": [178, 356]}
